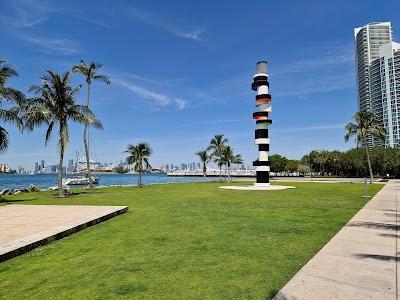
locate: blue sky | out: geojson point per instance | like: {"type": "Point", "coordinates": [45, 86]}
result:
{"type": "Point", "coordinates": [181, 71]}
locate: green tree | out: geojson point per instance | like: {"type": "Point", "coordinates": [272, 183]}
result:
{"type": "Point", "coordinates": [9, 96]}
{"type": "Point", "coordinates": [204, 158]}
{"type": "Point", "coordinates": [217, 145]}
{"type": "Point", "coordinates": [54, 104]}
{"type": "Point", "coordinates": [90, 74]}
{"type": "Point", "coordinates": [121, 170]}
{"type": "Point", "coordinates": [278, 163]}
{"type": "Point", "coordinates": [139, 157]}
{"type": "Point", "coordinates": [291, 165]}
{"type": "Point", "coordinates": [334, 162]}
{"type": "Point", "coordinates": [229, 158]}
{"type": "Point", "coordinates": [365, 124]}
{"type": "Point", "coordinates": [303, 169]}
{"type": "Point", "coordinates": [321, 159]}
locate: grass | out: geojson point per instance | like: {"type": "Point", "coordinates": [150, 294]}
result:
{"type": "Point", "coordinates": [183, 241]}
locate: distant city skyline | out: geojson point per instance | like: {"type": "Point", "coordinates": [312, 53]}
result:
{"type": "Point", "coordinates": [180, 72]}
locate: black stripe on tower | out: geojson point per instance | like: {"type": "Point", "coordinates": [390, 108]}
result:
{"type": "Point", "coordinates": [260, 114]}
{"type": "Point", "coordinates": [262, 96]}
{"type": "Point", "coordinates": [263, 147]}
{"type": "Point", "coordinates": [257, 163]}
{"type": "Point", "coordinates": [261, 133]}
{"type": "Point", "coordinates": [269, 122]}
{"type": "Point", "coordinates": [259, 81]}
{"type": "Point", "coordinates": [262, 176]}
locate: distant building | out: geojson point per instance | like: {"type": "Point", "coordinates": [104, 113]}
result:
{"type": "Point", "coordinates": [378, 78]}
{"type": "Point", "coordinates": [42, 165]}
{"type": "Point", "coordinates": [36, 167]}
{"type": "Point", "coordinates": [4, 168]}
{"type": "Point", "coordinates": [70, 165]}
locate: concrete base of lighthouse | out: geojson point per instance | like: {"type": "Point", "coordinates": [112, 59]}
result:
{"type": "Point", "coordinates": [257, 187]}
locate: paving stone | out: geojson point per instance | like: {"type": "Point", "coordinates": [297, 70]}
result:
{"type": "Point", "coordinates": [24, 227]}
{"type": "Point", "coordinates": [360, 261]}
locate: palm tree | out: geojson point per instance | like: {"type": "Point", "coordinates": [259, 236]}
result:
{"type": "Point", "coordinates": [89, 72]}
{"type": "Point", "coordinates": [9, 96]}
{"type": "Point", "coordinates": [365, 124]}
{"type": "Point", "coordinates": [139, 156]}
{"type": "Point", "coordinates": [55, 105]}
{"type": "Point", "coordinates": [204, 158]}
{"type": "Point", "coordinates": [229, 158]}
{"type": "Point", "coordinates": [217, 144]}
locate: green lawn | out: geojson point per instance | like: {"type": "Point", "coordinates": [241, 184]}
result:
{"type": "Point", "coordinates": [183, 241]}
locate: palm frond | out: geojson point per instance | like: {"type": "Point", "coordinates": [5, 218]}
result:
{"type": "Point", "coordinates": [4, 140]}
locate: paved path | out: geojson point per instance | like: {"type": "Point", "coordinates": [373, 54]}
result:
{"type": "Point", "coordinates": [361, 261]}
{"type": "Point", "coordinates": [24, 227]}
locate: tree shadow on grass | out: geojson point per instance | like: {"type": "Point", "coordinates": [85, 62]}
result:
{"type": "Point", "coordinates": [10, 201]}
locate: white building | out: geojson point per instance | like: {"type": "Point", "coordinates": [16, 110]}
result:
{"type": "Point", "coordinates": [378, 77]}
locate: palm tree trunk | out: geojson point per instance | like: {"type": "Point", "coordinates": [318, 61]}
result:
{"type": "Point", "coordinates": [220, 173]}
{"type": "Point", "coordinates": [204, 171]}
{"type": "Point", "coordinates": [226, 174]}
{"type": "Point", "coordinates": [60, 165]}
{"type": "Point", "coordinates": [371, 176]}
{"type": "Point", "coordinates": [140, 178]}
{"type": "Point", "coordinates": [86, 143]}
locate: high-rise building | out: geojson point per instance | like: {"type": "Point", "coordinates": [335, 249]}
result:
{"type": "Point", "coordinates": [42, 165]}
{"type": "Point", "coordinates": [36, 167]}
{"type": "Point", "coordinates": [70, 165]}
{"type": "Point", "coordinates": [378, 78]}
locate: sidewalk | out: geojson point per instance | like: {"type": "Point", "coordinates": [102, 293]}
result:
{"type": "Point", "coordinates": [360, 262]}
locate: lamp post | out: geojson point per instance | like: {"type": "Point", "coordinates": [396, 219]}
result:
{"type": "Point", "coordinates": [261, 116]}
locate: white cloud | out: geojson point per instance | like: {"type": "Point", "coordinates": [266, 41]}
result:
{"type": "Point", "coordinates": [313, 128]}
{"type": "Point", "coordinates": [325, 56]}
{"type": "Point", "coordinates": [319, 85]}
{"type": "Point", "coordinates": [166, 25]}
{"type": "Point", "coordinates": [93, 21]}
{"type": "Point", "coordinates": [181, 104]}
{"type": "Point", "coordinates": [25, 14]}
{"type": "Point", "coordinates": [53, 46]}
{"type": "Point", "coordinates": [155, 97]}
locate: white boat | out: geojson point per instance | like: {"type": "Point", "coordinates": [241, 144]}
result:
{"type": "Point", "coordinates": [79, 180]}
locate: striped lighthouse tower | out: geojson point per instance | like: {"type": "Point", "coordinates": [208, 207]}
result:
{"type": "Point", "coordinates": [263, 104]}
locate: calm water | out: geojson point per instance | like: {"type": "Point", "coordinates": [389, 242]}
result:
{"type": "Point", "coordinates": [44, 181]}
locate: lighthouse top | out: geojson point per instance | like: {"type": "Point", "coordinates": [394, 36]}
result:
{"type": "Point", "coordinates": [262, 67]}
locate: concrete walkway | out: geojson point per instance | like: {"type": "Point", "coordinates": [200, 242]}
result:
{"type": "Point", "coordinates": [25, 227]}
{"type": "Point", "coordinates": [361, 261]}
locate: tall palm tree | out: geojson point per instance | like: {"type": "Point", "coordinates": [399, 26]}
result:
{"type": "Point", "coordinates": [89, 72]}
{"type": "Point", "coordinates": [8, 96]}
{"type": "Point", "coordinates": [217, 144]}
{"type": "Point", "coordinates": [54, 104]}
{"type": "Point", "coordinates": [229, 158]}
{"type": "Point", "coordinates": [365, 124]}
{"type": "Point", "coordinates": [139, 157]}
{"type": "Point", "coordinates": [204, 158]}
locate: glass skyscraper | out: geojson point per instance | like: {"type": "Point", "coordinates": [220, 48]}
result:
{"type": "Point", "coordinates": [378, 77]}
